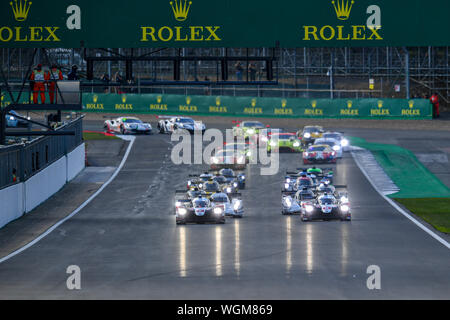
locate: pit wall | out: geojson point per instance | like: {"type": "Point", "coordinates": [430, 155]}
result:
{"type": "Point", "coordinates": [23, 197]}
{"type": "Point", "coordinates": [258, 107]}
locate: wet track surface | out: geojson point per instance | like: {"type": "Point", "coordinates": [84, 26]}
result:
{"type": "Point", "coordinates": [128, 246]}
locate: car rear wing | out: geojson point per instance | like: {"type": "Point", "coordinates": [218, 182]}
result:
{"type": "Point", "coordinates": [340, 186]}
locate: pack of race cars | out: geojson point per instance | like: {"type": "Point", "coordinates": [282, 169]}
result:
{"type": "Point", "coordinates": [210, 197]}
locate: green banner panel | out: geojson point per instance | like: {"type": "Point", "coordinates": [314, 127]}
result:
{"type": "Point", "coordinates": [258, 107]}
{"type": "Point", "coordinates": [226, 23]}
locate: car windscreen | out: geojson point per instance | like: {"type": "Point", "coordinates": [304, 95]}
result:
{"type": "Point", "coordinates": [211, 186]}
{"type": "Point", "coordinates": [220, 179]}
{"type": "Point", "coordinates": [186, 121]}
{"type": "Point", "coordinates": [312, 149]}
{"type": "Point", "coordinates": [306, 196]}
{"type": "Point", "coordinates": [228, 173]}
{"type": "Point", "coordinates": [221, 199]}
{"type": "Point", "coordinates": [253, 125]}
{"type": "Point", "coordinates": [328, 143]}
{"type": "Point", "coordinates": [311, 130]}
{"type": "Point", "coordinates": [304, 182]}
{"type": "Point", "coordinates": [283, 136]}
{"type": "Point", "coordinates": [131, 121]}
{"type": "Point", "coordinates": [327, 201]}
{"type": "Point", "coordinates": [200, 204]}
{"type": "Point", "coordinates": [332, 136]}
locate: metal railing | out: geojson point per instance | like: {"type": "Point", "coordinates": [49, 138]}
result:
{"type": "Point", "coordinates": [20, 162]}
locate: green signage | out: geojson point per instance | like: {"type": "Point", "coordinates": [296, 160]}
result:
{"type": "Point", "coordinates": [258, 107]}
{"type": "Point", "coordinates": [226, 23]}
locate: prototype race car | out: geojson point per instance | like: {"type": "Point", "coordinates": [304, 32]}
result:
{"type": "Point", "coordinates": [332, 143]}
{"type": "Point", "coordinates": [309, 134]}
{"type": "Point", "coordinates": [291, 202]}
{"type": "Point", "coordinates": [326, 207]}
{"type": "Point", "coordinates": [225, 185]}
{"type": "Point", "coordinates": [306, 178]}
{"type": "Point", "coordinates": [231, 205]}
{"type": "Point", "coordinates": [12, 120]}
{"type": "Point", "coordinates": [319, 154]}
{"type": "Point", "coordinates": [344, 143]}
{"type": "Point", "coordinates": [247, 129]}
{"type": "Point", "coordinates": [170, 124]}
{"type": "Point", "coordinates": [198, 210]}
{"type": "Point", "coordinates": [230, 175]}
{"type": "Point", "coordinates": [284, 142]}
{"type": "Point", "coordinates": [127, 125]}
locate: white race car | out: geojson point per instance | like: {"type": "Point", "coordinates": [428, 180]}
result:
{"type": "Point", "coordinates": [343, 141]}
{"type": "Point", "coordinates": [127, 125]}
{"type": "Point", "coordinates": [232, 206]}
{"type": "Point", "coordinates": [170, 124]}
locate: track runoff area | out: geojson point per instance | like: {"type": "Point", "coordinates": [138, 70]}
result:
{"type": "Point", "coordinates": [127, 243]}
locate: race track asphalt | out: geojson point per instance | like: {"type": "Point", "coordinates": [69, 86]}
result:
{"type": "Point", "coordinates": [128, 246]}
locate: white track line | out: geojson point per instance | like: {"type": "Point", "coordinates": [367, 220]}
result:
{"type": "Point", "coordinates": [46, 233]}
{"type": "Point", "coordinates": [397, 207]}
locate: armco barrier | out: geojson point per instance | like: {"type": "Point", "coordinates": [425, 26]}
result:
{"type": "Point", "coordinates": [258, 107]}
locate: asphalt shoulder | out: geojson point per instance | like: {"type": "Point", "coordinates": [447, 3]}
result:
{"type": "Point", "coordinates": [22, 231]}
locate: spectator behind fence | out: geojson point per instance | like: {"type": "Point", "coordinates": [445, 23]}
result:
{"type": "Point", "coordinates": [239, 71]}
{"type": "Point", "coordinates": [14, 175]}
{"type": "Point", "coordinates": [105, 79]}
{"type": "Point", "coordinates": [435, 101]}
{"type": "Point", "coordinates": [252, 71]}
{"type": "Point", "coordinates": [73, 74]}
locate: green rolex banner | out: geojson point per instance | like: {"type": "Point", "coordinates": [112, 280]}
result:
{"type": "Point", "coordinates": [258, 107]}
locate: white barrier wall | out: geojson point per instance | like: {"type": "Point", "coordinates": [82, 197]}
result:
{"type": "Point", "coordinates": [12, 204]}
{"type": "Point", "coordinates": [75, 162]}
{"type": "Point", "coordinates": [43, 185]}
{"type": "Point", "coordinates": [24, 197]}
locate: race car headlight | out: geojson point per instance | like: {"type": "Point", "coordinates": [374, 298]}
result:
{"type": "Point", "coordinates": [251, 131]}
{"type": "Point", "coordinates": [235, 184]}
{"type": "Point", "coordinates": [345, 208]}
{"type": "Point", "coordinates": [217, 211]}
{"type": "Point", "coordinates": [288, 180]}
{"type": "Point", "coordinates": [307, 135]}
{"type": "Point", "coordinates": [336, 148]}
{"type": "Point", "coordinates": [242, 177]}
{"type": "Point", "coordinates": [237, 205]}
{"type": "Point", "coordinates": [11, 118]}
{"type": "Point", "coordinates": [189, 183]}
{"type": "Point", "coordinates": [229, 190]}
{"type": "Point", "coordinates": [344, 199]}
{"type": "Point", "coordinates": [249, 154]}
{"type": "Point", "coordinates": [344, 142]}
{"type": "Point", "coordinates": [286, 185]}
{"type": "Point", "coordinates": [200, 185]}
{"type": "Point", "coordinates": [182, 211]}
{"type": "Point", "coordinates": [177, 204]}
{"type": "Point", "coordinates": [273, 144]}
{"type": "Point", "coordinates": [296, 144]}
{"type": "Point", "coordinates": [309, 208]}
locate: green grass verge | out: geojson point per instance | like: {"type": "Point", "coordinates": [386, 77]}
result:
{"type": "Point", "coordinates": [97, 136]}
{"type": "Point", "coordinates": [435, 211]}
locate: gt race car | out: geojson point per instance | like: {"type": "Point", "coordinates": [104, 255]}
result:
{"type": "Point", "coordinates": [127, 125]}
{"type": "Point", "coordinates": [198, 210]}
{"type": "Point", "coordinates": [343, 141]}
{"type": "Point", "coordinates": [309, 134]}
{"type": "Point", "coordinates": [13, 121]}
{"type": "Point", "coordinates": [284, 142]}
{"type": "Point", "coordinates": [332, 143]}
{"type": "Point", "coordinates": [319, 154]}
{"type": "Point", "coordinates": [171, 124]}
{"type": "Point", "coordinates": [247, 129]}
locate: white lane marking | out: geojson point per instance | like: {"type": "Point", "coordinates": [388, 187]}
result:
{"type": "Point", "coordinates": [376, 173]}
{"type": "Point", "coordinates": [51, 229]}
{"type": "Point", "coordinates": [398, 208]}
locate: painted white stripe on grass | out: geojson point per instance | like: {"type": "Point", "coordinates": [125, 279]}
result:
{"type": "Point", "coordinates": [376, 173]}
{"type": "Point", "coordinates": [46, 233]}
{"type": "Point", "coordinates": [394, 204]}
